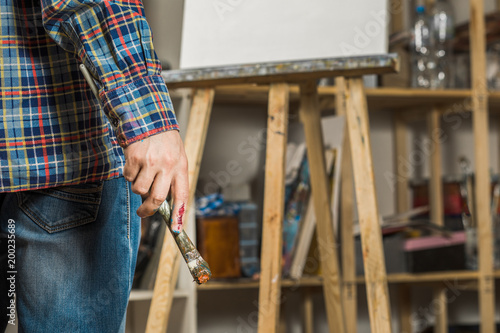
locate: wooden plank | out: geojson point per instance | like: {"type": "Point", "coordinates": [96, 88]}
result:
{"type": "Point", "coordinates": [249, 283]}
{"type": "Point", "coordinates": [494, 101]}
{"type": "Point", "coordinates": [436, 183]}
{"type": "Point", "coordinates": [274, 194]}
{"type": "Point", "coordinates": [396, 278]}
{"type": "Point", "coordinates": [308, 311]}
{"type": "Point", "coordinates": [436, 206]}
{"type": "Point", "coordinates": [282, 324]}
{"type": "Point", "coordinates": [349, 287]}
{"type": "Point", "coordinates": [402, 205]}
{"type": "Point", "coordinates": [399, 99]}
{"type": "Point", "coordinates": [275, 72]}
{"type": "Point", "coordinates": [371, 237]}
{"type": "Point", "coordinates": [401, 149]}
{"type": "Point", "coordinates": [481, 156]}
{"type": "Point", "coordinates": [310, 116]}
{"type": "Point", "coordinates": [168, 267]}
{"type": "Point", "coordinates": [404, 308]}
{"type": "Point", "coordinates": [441, 306]}
{"type": "Point", "coordinates": [396, 10]}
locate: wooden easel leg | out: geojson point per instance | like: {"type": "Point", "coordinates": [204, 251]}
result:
{"type": "Point", "coordinates": [349, 287]}
{"type": "Point", "coordinates": [481, 158]}
{"type": "Point", "coordinates": [311, 118]}
{"type": "Point", "coordinates": [307, 311]}
{"type": "Point", "coordinates": [282, 328]}
{"type": "Point", "coordinates": [404, 308]}
{"type": "Point", "coordinates": [441, 325]}
{"type": "Point", "coordinates": [401, 148]}
{"type": "Point", "coordinates": [274, 194]}
{"type": "Point", "coordinates": [168, 267]}
{"type": "Point", "coordinates": [402, 205]}
{"type": "Point", "coordinates": [437, 208]}
{"type": "Point", "coordinates": [371, 236]}
{"type": "Point", "coordinates": [436, 184]}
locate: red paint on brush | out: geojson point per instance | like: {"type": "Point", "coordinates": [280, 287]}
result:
{"type": "Point", "coordinates": [180, 216]}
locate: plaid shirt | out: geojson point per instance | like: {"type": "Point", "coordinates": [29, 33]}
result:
{"type": "Point", "coordinates": [53, 131]}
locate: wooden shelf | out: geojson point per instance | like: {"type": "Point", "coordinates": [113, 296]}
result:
{"type": "Point", "coordinates": [249, 284]}
{"type": "Point", "coordinates": [494, 100]}
{"type": "Point", "coordinates": [147, 295]}
{"type": "Point", "coordinates": [398, 98]}
{"type": "Point", "coordinates": [317, 281]}
{"type": "Point", "coordinates": [429, 277]}
{"type": "Point", "coordinates": [378, 98]}
{"type": "Point", "coordinates": [140, 295]}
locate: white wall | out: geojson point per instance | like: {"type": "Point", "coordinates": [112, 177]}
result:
{"type": "Point", "coordinates": [165, 18]}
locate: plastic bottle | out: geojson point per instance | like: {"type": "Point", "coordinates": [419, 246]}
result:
{"type": "Point", "coordinates": [421, 57]}
{"type": "Point", "coordinates": [443, 31]}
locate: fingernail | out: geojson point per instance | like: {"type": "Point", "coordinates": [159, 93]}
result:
{"type": "Point", "coordinates": [175, 231]}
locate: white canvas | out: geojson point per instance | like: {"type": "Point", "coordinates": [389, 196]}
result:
{"type": "Point", "coordinates": [228, 32]}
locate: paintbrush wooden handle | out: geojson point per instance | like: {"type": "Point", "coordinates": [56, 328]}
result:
{"type": "Point", "coordinates": [198, 267]}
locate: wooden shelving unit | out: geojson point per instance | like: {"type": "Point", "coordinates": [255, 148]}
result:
{"type": "Point", "coordinates": [408, 105]}
{"type": "Point", "coordinates": [424, 105]}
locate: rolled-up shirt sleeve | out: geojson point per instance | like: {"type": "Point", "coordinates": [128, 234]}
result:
{"type": "Point", "coordinates": [114, 41]}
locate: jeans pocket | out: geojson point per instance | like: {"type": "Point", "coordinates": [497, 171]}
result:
{"type": "Point", "coordinates": [61, 208]}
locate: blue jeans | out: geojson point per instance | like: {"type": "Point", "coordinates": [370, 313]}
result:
{"type": "Point", "coordinates": [74, 258]}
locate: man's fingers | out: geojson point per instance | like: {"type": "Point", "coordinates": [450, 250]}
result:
{"type": "Point", "coordinates": [142, 183]}
{"type": "Point", "coordinates": [180, 193]}
{"type": "Point", "coordinates": [157, 195]}
{"type": "Point", "coordinates": [148, 159]}
{"type": "Point", "coordinates": [131, 170]}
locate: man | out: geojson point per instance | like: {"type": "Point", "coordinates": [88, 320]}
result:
{"type": "Point", "coordinates": [67, 221]}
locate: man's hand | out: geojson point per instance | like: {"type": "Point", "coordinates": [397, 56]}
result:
{"type": "Point", "coordinates": [154, 166]}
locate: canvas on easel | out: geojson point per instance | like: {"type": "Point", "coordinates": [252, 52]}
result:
{"type": "Point", "coordinates": [230, 32]}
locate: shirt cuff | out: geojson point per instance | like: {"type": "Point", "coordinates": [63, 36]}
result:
{"type": "Point", "coordinates": [139, 109]}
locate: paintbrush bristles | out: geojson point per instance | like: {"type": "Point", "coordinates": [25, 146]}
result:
{"type": "Point", "coordinates": [198, 267]}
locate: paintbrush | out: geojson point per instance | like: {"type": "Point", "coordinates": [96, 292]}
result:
{"type": "Point", "coordinates": [198, 267]}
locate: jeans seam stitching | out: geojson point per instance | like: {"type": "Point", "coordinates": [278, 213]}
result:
{"type": "Point", "coordinates": [90, 190]}
{"type": "Point", "coordinates": [129, 279]}
{"type": "Point", "coordinates": [128, 210]}
{"type": "Point", "coordinates": [72, 198]}
{"type": "Point", "coordinates": [39, 221]}
{"type": "Point", "coordinates": [49, 229]}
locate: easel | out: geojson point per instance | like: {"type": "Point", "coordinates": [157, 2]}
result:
{"type": "Point", "coordinates": [279, 76]}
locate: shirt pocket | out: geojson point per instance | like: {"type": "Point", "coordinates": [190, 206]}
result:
{"type": "Point", "coordinates": [61, 208]}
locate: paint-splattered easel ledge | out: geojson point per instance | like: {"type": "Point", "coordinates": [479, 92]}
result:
{"type": "Point", "coordinates": [278, 71]}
